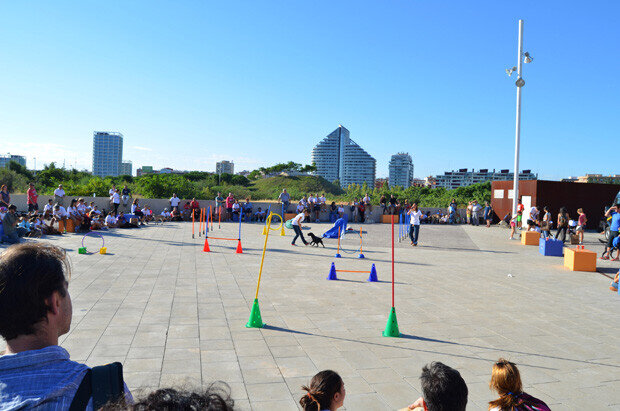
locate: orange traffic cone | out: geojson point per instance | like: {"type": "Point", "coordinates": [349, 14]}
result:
{"type": "Point", "coordinates": [206, 248]}
{"type": "Point", "coordinates": [239, 249]}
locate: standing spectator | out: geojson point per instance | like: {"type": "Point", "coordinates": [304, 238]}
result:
{"type": "Point", "coordinates": [115, 199]}
{"type": "Point", "coordinates": [383, 203]}
{"type": "Point", "coordinates": [547, 222]}
{"type": "Point", "coordinates": [443, 389]}
{"type": "Point", "coordinates": [333, 212]}
{"type": "Point", "coordinates": [534, 213]}
{"type": "Point", "coordinates": [285, 200]}
{"type": "Point", "coordinates": [563, 218]}
{"type": "Point", "coordinates": [219, 200]}
{"type": "Point", "coordinates": [33, 205]}
{"type": "Point", "coordinates": [230, 200]}
{"type": "Point", "coordinates": [326, 392]}
{"type": "Point", "coordinates": [414, 230]}
{"type": "Point", "coordinates": [362, 210]}
{"type": "Point", "coordinates": [35, 372]}
{"type": "Point", "coordinates": [614, 228]}
{"type": "Point", "coordinates": [393, 204]}
{"type": "Point", "coordinates": [316, 206]}
{"type": "Point", "coordinates": [112, 190]}
{"type": "Point", "coordinates": [5, 197]}
{"type": "Point", "coordinates": [9, 224]}
{"type": "Point", "coordinates": [340, 211]}
{"type": "Point", "coordinates": [355, 210]}
{"type": "Point", "coordinates": [59, 195]}
{"type": "Point", "coordinates": [475, 212]}
{"type": "Point", "coordinates": [581, 224]}
{"type": "Point", "coordinates": [126, 195]}
{"type": "Point", "coordinates": [520, 209]}
{"type": "Point", "coordinates": [506, 381]}
{"type": "Point", "coordinates": [296, 223]}
{"type": "Point", "coordinates": [468, 212]}
{"type": "Point", "coordinates": [367, 203]}
{"type": "Point", "coordinates": [174, 202]}
{"type": "Point", "coordinates": [488, 214]}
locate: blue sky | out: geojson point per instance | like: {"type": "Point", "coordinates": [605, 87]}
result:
{"type": "Point", "coordinates": [258, 82]}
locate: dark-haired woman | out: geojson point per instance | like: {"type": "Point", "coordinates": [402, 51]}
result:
{"type": "Point", "coordinates": [562, 223]}
{"type": "Point", "coordinates": [326, 392]}
{"type": "Point", "coordinates": [414, 229]}
{"type": "Point", "coordinates": [506, 381]}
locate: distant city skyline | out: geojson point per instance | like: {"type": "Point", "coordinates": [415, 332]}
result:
{"type": "Point", "coordinates": [260, 83]}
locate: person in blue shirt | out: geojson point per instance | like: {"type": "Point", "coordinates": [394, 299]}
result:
{"type": "Point", "coordinates": [614, 227]}
{"type": "Point", "coordinates": [35, 372]}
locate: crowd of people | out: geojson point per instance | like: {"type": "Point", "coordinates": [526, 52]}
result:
{"type": "Point", "coordinates": [35, 372]}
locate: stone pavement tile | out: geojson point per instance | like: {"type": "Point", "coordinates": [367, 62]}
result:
{"type": "Point", "coordinates": [182, 354]}
{"type": "Point", "coordinates": [181, 366]}
{"type": "Point", "coordinates": [104, 350]}
{"type": "Point", "coordinates": [340, 365]}
{"type": "Point", "coordinates": [366, 402]}
{"type": "Point", "coordinates": [148, 339]}
{"type": "Point", "coordinates": [251, 348]}
{"type": "Point", "coordinates": [264, 361]}
{"type": "Point", "coordinates": [209, 344]}
{"type": "Point", "coordinates": [224, 371]}
{"type": "Point", "coordinates": [379, 375]}
{"type": "Point", "coordinates": [296, 366]}
{"type": "Point", "coordinates": [262, 375]}
{"type": "Point", "coordinates": [287, 351]}
{"type": "Point", "coordinates": [283, 405]}
{"type": "Point", "coordinates": [214, 333]}
{"type": "Point", "coordinates": [208, 356]}
{"type": "Point", "coordinates": [237, 390]}
{"type": "Point", "coordinates": [183, 380]}
{"type": "Point", "coordinates": [182, 342]}
{"type": "Point", "coordinates": [242, 405]}
{"type": "Point", "coordinates": [268, 392]}
{"type": "Point", "coordinates": [183, 331]}
{"type": "Point", "coordinates": [143, 364]}
{"type": "Point", "coordinates": [396, 394]}
{"type": "Point", "coordinates": [278, 340]}
{"type": "Point", "coordinates": [136, 380]}
{"type": "Point", "coordinates": [361, 361]}
{"type": "Point", "coordinates": [145, 352]}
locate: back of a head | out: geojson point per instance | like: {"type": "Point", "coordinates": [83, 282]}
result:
{"type": "Point", "coordinates": [215, 398]}
{"type": "Point", "coordinates": [29, 274]}
{"type": "Point", "coordinates": [443, 388]}
{"type": "Point", "coordinates": [320, 393]}
{"type": "Point", "coordinates": [506, 380]}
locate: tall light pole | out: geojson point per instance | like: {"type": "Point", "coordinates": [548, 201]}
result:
{"type": "Point", "coordinates": [521, 58]}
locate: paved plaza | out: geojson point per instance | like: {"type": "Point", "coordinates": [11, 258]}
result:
{"type": "Point", "coordinates": [175, 316]}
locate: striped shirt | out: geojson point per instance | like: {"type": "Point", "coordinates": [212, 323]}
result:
{"type": "Point", "coordinates": [39, 379]}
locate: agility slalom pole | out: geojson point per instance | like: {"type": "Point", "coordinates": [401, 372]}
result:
{"type": "Point", "coordinates": [338, 252]}
{"type": "Point", "coordinates": [219, 218]}
{"type": "Point", "coordinates": [200, 223]}
{"type": "Point", "coordinates": [255, 320]}
{"type": "Point", "coordinates": [361, 254]}
{"type": "Point", "coordinates": [211, 218]}
{"type": "Point", "coordinates": [193, 224]}
{"type": "Point", "coordinates": [391, 328]}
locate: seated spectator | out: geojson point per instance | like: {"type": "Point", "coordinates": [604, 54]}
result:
{"type": "Point", "coordinates": [59, 214]}
{"type": "Point", "coordinates": [340, 211]}
{"type": "Point", "coordinates": [74, 214]}
{"type": "Point", "coordinates": [135, 210]}
{"type": "Point", "coordinates": [148, 213]}
{"type": "Point", "coordinates": [247, 209]}
{"type": "Point", "coordinates": [506, 381]}
{"type": "Point", "coordinates": [383, 203]}
{"type": "Point", "coordinates": [260, 215]}
{"type": "Point", "coordinates": [195, 208]}
{"type": "Point", "coordinates": [165, 215]}
{"type": "Point", "coordinates": [110, 220]}
{"type": "Point", "coordinates": [393, 204]}
{"type": "Point", "coordinates": [36, 373]}
{"type": "Point", "coordinates": [333, 212]}
{"type": "Point", "coordinates": [443, 388]}
{"type": "Point", "coordinates": [46, 229]}
{"type": "Point", "coordinates": [326, 392]}
{"type": "Point", "coordinates": [123, 222]}
{"type": "Point", "coordinates": [175, 215]}
{"type": "Point", "coordinates": [9, 225]}
{"type": "Point", "coordinates": [367, 203]}
{"type": "Point", "coordinates": [96, 222]}
{"type": "Point", "coordinates": [48, 209]}
{"type": "Point", "coordinates": [215, 398]}
{"type": "Point", "coordinates": [187, 211]}
{"type": "Point", "coordinates": [300, 207]}
{"type": "Point", "coordinates": [26, 227]}
{"type": "Point", "coordinates": [236, 209]}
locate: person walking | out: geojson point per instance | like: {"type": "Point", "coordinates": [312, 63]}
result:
{"type": "Point", "coordinates": [614, 229]}
{"type": "Point", "coordinates": [414, 229]}
{"type": "Point", "coordinates": [296, 223]}
{"type": "Point", "coordinates": [562, 224]}
{"type": "Point", "coordinates": [545, 227]}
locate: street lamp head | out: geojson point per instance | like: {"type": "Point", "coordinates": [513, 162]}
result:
{"type": "Point", "coordinates": [527, 58]}
{"type": "Point", "coordinates": [520, 82]}
{"type": "Point", "coordinates": [509, 71]}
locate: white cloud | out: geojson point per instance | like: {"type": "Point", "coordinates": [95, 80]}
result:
{"type": "Point", "coordinates": [142, 148]}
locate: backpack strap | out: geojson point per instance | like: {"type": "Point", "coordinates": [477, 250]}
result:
{"type": "Point", "coordinates": [83, 393]}
{"type": "Point", "coordinates": [107, 384]}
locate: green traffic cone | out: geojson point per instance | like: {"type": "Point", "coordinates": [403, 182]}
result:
{"type": "Point", "coordinates": [255, 320]}
{"type": "Point", "coordinates": [391, 329]}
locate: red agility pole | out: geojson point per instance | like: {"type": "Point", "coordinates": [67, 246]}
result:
{"type": "Point", "coordinates": [219, 218]}
{"type": "Point", "coordinates": [192, 225]}
{"type": "Point", "coordinates": [391, 329]}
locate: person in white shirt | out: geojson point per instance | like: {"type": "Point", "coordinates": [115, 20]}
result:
{"type": "Point", "coordinates": [48, 209]}
{"type": "Point", "coordinates": [110, 220]}
{"type": "Point", "coordinates": [368, 204]}
{"type": "Point", "coordinates": [236, 208]}
{"type": "Point", "coordinates": [59, 195]}
{"type": "Point", "coordinates": [299, 218]}
{"type": "Point", "coordinates": [315, 206]}
{"type": "Point", "coordinates": [174, 202]}
{"type": "Point", "coordinates": [164, 216]}
{"type": "Point", "coordinates": [300, 207]}
{"type": "Point", "coordinates": [112, 190]}
{"type": "Point", "coordinates": [414, 230]}
{"type": "Point", "coordinates": [116, 201]}
{"type": "Point", "coordinates": [340, 211]}
{"type": "Point", "coordinates": [475, 210]}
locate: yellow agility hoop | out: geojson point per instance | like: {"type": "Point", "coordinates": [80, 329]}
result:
{"type": "Point", "coordinates": [268, 224]}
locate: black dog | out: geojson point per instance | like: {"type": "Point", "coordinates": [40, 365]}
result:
{"type": "Point", "coordinates": [315, 240]}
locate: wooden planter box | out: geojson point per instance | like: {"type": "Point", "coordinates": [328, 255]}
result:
{"type": "Point", "coordinates": [579, 259]}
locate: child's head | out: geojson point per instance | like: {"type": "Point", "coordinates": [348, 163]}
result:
{"type": "Point", "coordinates": [326, 392]}
{"type": "Point", "coordinates": [580, 210]}
{"type": "Point", "coordinates": [506, 380]}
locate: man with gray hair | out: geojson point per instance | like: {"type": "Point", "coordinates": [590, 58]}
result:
{"type": "Point", "coordinates": [285, 199]}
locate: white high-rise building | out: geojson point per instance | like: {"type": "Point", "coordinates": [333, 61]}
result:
{"type": "Point", "coordinates": [107, 153]}
{"type": "Point", "coordinates": [401, 170]}
{"type": "Point", "coordinates": [225, 167]}
{"type": "Point", "coordinates": [337, 157]}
